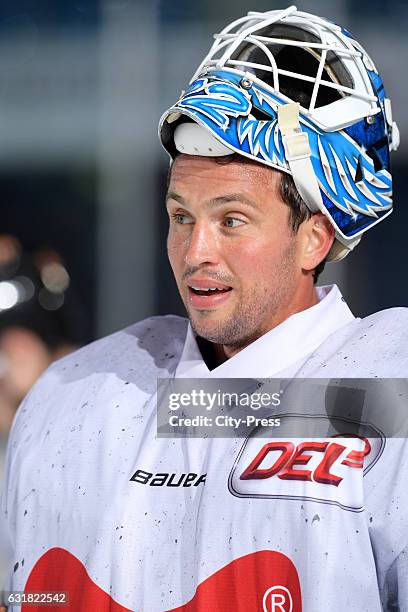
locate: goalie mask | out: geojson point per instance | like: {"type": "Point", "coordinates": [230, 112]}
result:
{"type": "Point", "coordinates": [297, 93]}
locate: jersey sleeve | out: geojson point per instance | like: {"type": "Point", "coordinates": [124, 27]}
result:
{"type": "Point", "coordinates": [7, 536]}
{"type": "Point", "coordinates": [10, 485]}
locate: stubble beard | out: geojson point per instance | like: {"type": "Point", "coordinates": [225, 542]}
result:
{"type": "Point", "coordinates": [249, 320]}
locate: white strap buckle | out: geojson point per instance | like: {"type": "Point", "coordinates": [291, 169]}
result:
{"type": "Point", "coordinates": [295, 141]}
{"type": "Point", "coordinates": [297, 146]}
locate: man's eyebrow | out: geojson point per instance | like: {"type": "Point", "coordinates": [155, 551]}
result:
{"type": "Point", "coordinates": [225, 199]}
{"type": "Point", "coordinates": [170, 195]}
{"type": "Point", "coordinates": [233, 197]}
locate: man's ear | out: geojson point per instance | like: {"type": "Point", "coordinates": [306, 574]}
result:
{"type": "Point", "coordinates": [316, 239]}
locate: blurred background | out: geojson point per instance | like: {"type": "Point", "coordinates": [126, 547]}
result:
{"type": "Point", "coordinates": [82, 226]}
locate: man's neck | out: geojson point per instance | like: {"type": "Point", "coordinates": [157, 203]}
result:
{"type": "Point", "coordinates": [212, 354]}
{"type": "Point", "coordinates": [216, 354]}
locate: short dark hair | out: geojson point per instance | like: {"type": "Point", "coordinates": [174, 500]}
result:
{"type": "Point", "coordinates": [298, 211]}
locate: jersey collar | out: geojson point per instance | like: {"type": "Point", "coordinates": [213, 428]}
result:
{"type": "Point", "coordinates": [283, 348]}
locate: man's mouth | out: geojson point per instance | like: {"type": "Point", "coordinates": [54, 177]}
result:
{"type": "Point", "coordinates": [206, 293]}
{"type": "Point", "coordinates": [208, 290]}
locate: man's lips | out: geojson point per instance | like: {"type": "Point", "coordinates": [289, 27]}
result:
{"type": "Point", "coordinates": [205, 293]}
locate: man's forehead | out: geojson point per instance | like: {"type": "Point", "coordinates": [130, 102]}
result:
{"type": "Point", "coordinates": [213, 202]}
{"type": "Point", "coordinates": [212, 182]}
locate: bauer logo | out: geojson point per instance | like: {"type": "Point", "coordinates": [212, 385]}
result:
{"type": "Point", "coordinates": [328, 470]}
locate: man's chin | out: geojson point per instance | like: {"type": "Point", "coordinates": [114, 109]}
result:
{"type": "Point", "coordinates": [209, 326]}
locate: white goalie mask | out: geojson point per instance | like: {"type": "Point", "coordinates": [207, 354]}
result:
{"type": "Point", "coordinates": [295, 92]}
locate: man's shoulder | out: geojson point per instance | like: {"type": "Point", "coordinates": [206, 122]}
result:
{"type": "Point", "coordinates": [84, 389]}
{"type": "Point", "coordinates": [386, 327]}
{"type": "Point", "coordinates": [158, 338]}
{"type": "Point", "coordinates": [392, 316]}
{"type": "Point", "coordinates": [136, 356]}
{"type": "Point", "coordinates": [376, 345]}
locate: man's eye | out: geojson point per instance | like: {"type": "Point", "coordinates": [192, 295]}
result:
{"type": "Point", "coordinates": [233, 222]}
{"type": "Point", "coordinates": [181, 219]}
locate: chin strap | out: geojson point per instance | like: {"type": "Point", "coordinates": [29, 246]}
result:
{"type": "Point", "coordinates": [297, 153]}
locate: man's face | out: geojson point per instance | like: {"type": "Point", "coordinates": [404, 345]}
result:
{"type": "Point", "coordinates": [229, 231]}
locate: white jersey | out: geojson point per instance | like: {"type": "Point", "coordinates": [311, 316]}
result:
{"type": "Point", "coordinates": [99, 506]}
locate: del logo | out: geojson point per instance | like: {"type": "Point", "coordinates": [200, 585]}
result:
{"type": "Point", "coordinates": [328, 470]}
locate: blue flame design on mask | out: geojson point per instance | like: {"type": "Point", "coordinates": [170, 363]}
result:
{"type": "Point", "coordinates": [353, 193]}
{"type": "Point", "coordinates": [219, 102]}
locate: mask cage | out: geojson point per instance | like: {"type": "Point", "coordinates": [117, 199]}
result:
{"type": "Point", "coordinates": [293, 51]}
{"type": "Point", "coordinates": [290, 59]}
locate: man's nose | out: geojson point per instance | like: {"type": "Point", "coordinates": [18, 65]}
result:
{"type": "Point", "coordinates": [202, 246]}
